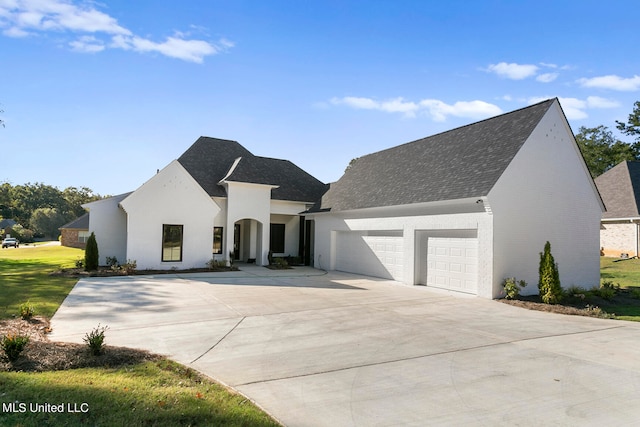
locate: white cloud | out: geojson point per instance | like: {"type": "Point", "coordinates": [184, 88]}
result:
{"type": "Point", "coordinates": [547, 77]}
{"type": "Point", "coordinates": [613, 82]}
{"type": "Point", "coordinates": [87, 44]}
{"type": "Point", "coordinates": [436, 109]}
{"type": "Point", "coordinates": [20, 18]}
{"type": "Point", "coordinates": [439, 110]}
{"type": "Point", "coordinates": [513, 71]}
{"type": "Point", "coordinates": [598, 102]}
{"type": "Point", "coordinates": [396, 105]}
{"type": "Point", "coordinates": [576, 109]}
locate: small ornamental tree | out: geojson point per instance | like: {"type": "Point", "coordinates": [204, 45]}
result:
{"type": "Point", "coordinates": [549, 282]}
{"type": "Point", "coordinates": [91, 255]}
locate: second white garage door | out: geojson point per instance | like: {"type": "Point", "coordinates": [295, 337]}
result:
{"type": "Point", "coordinates": [452, 263]}
{"type": "Point", "coordinates": [378, 254]}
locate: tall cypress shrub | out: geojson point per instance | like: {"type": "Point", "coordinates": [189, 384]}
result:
{"type": "Point", "coordinates": [549, 282]}
{"type": "Point", "coordinates": [91, 254]}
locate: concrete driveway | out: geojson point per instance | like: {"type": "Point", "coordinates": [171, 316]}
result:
{"type": "Point", "coordinates": [338, 349]}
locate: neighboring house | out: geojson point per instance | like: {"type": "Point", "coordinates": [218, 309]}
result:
{"type": "Point", "coordinates": [465, 209]}
{"type": "Point", "coordinates": [6, 223]}
{"type": "Point", "coordinates": [620, 228]}
{"type": "Point", "coordinates": [216, 199]}
{"type": "Point", "coordinates": [75, 233]}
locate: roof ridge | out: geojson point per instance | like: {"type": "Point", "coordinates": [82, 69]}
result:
{"type": "Point", "coordinates": [550, 100]}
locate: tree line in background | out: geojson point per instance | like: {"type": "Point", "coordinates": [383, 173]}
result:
{"type": "Point", "coordinates": [602, 150]}
{"type": "Point", "coordinates": [39, 209]}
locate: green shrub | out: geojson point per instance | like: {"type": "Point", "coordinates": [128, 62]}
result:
{"type": "Point", "coordinates": [576, 292]}
{"type": "Point", "coordinates": [112, 262]}
{"type": "Point", "coordinates": [549, 281]}
{"type": "Point", "coordinates": [281, 263]}
{"type": "Point", "coordinates": [512, 287]}
{"type": "Point", "coordinates": [12, 345]}
{"type": "Point", "coordinates": [26, 310]}
{"type": "Point", "coordinates": [608, 284]}
{"type": "Point", "coordinates": [91, 254]}
{"type": "Point", "coordinates": [596, 311]}
{"type": "Point", "coordinates": [95, 340]}
{"type": "Point", "coordinates": [604, 293]}
{"type": "Point", "coordinates": [216, 265]}
{"type": "Point", "coordinates": [129, 267]}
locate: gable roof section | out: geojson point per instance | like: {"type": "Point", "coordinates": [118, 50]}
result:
{"type": "Point", "coordinates": [291, 182]}
{"type": "Point", "coordinates": [457, 164]}
{"type": "Point", "coordinates": [210, 160]}
{"type": "Point", "coordinates": [7, 222]}
{"type": "Point", "coordinates": [80, 223]}
{"type": "Point", "coordinates": [620, 190]}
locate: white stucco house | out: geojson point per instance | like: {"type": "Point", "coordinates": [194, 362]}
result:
{"type": "Point", "coordinates": [215, 199]}
{"type": "Point", "coordinates": [620, 228]}
{"type": "Point", "coordinates": [461, 210]}
{"type": "Point", "coordinates": [467, 208]}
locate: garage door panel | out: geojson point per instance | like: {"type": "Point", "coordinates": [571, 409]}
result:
{"type": "Point", "coordinates": [372, 255]}
{"type": "Point", "coordinates": [452, 263]}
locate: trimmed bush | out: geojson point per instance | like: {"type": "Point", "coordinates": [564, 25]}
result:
{"type": "Point", "coordinates": [549, 282]}
{"type": "Point", "coordinates": [95, 340]}
{"type": "Point", "coordinates": [512, 287]}
{"type": "Point", "coordinates": [91, 254]}
{"type": "Point", "coordinates": [26, 310]}
{"type": "Point", "coordinates": [12, 345]}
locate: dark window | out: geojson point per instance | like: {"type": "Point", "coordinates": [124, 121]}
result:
{"type": "Point", "coordinates": [171, 243]}
{"type": "Point", "coordinates": [276, 243]}
{"type": "Point", "coordinates": [217, 240]}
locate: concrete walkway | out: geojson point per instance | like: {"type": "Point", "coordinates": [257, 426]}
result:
{"type": "Point", "coordinates": [316, 349]}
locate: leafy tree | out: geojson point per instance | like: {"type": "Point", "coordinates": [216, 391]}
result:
{"type": "Point", "coordinates": [632, 127]}
{"type": "Point", "coordinates": [91, 254]}
{"type": "Point", "coordinates": [75, 198]}
{"type": "Point", "coordinates": [20, 201]}
{"type": "Point", "coordinates": [549, 282]}
{"type": "Point", "coordinates": [602, 150]}
{"type": "Point", "coordinates": [46, 221]}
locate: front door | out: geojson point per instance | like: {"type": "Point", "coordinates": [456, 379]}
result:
{"type": "Point", "coordinates": [236, 242]}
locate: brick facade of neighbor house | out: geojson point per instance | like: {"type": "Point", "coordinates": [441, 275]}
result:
{"type": "Point", "coordinates": [70, 238]}
{"type": "Point", "coordinates": [74, 234]}
{"type": "Point", "coordinates": [619, 238]}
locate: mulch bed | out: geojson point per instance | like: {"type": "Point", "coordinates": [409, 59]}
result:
{"type": "Point", "coordinates": [109, 272]}
{"type": "Point", "coordinates": [40, 354]}
{"type": "Point", "coordinates": [535, 304]}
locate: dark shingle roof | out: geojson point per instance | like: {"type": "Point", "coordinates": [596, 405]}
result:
{"type": "Point", "coordinates": [80, 223]}
{"type": "Point", "coordinates": [460, 163]}
{"type": "Point", "coordinates": [619, 188]}
{"type": "Point", "coordinates": [209, 160]}
{"type": "Point", "coordinates": [7, 222]}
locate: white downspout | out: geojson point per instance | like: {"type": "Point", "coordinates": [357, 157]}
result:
{"type": "Point", "coordinates": [637, 238]}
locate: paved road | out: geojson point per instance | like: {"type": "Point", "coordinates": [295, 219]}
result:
{"type": "Point", "coordinates": [338, 349]}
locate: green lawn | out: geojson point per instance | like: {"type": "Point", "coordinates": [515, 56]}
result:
{"type": "Point", "coordinates": [156, 393]}
{"type": "Point", "coordinates": [25, 276]}
{"type": "Point", "coordinates": [161, 393]}
{"type": "Point", "coordinates": [624, 272]}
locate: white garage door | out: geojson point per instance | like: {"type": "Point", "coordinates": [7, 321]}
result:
{"type": "Point", "coordinates": [452, 263]}
{"type": "Point", "coordinates": [377, 254]}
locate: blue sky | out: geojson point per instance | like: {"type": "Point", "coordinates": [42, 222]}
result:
{"type": "Point", "coordinates": [103, 93]}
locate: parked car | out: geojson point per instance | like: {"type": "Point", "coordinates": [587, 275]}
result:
{"type": "Point", "coordinates": [10, 241]}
